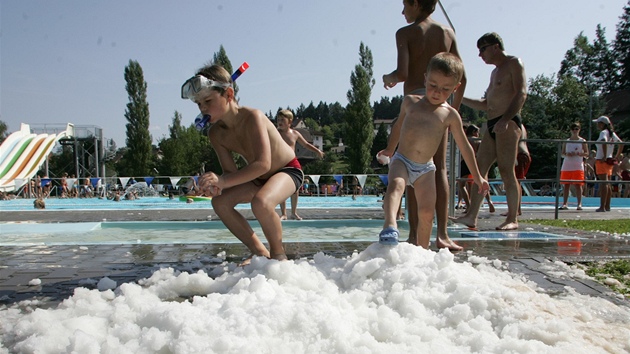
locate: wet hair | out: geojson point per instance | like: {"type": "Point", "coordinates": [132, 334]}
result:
{"type": "Point", "coordinates": [471, 129]}
{"type": "Point", "coordinates": [39, 203]}
{"type": "Point", "coordinates": [216, 72]}
{"type": "Point", "coordinates": [448, 64]}
{"type": "Point", "coordinates": [427, 6]}
{"type": "Point", "coordinates": [490, 38]}
{"type": "Point", "coordinates": [285, 113]}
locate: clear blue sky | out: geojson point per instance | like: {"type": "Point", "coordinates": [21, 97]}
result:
{"type": "Point", "coordinates": [63, 61]}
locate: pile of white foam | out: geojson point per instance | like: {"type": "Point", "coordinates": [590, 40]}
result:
{"type": "Point", "coordinates": [399, 299]}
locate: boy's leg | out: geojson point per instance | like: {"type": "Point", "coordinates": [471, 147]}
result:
{"type": "Point", "coordinates": [283, 210]}
{"type": "Point", "coordinates": [426, 196]}
{"type": "Point", "coordinates": [442, 197]}
{"type": "Point", "coordinates": [486, 155]}
{"type": "Point", "coordinates": [507, 148]}
{"type": "Point", "coordinates": [395, 188]}
{"type": "Point", "coordinates": [294, 201]}
{"type": "Point", "coordinates": [224, 205]}
{"type": "Point", "coordinates": [278, 188]}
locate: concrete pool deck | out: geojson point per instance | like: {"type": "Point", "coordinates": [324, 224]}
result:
{"type": "Point", "coordinates": [61, 269]}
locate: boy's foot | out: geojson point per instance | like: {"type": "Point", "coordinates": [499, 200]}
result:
{"type": "Point", "coordinates": [506, 226]}
{"type": "Point", "coordinates": [246, 261]}
{"type": "Point", "coordinates": [448, 243]}
{"type": "Point", "coordinates": [564, 207]}
{"type": "Point", "coordinates": [491, 207]}
{"type": "Point", "coordinates": [280, 257]}
{"type": "Point", "coordinates": [600, 210]}
{"type": "Point", "coordinates": [579, 207]}
{"type": "Point", "coordinates": [296, 217]}
{"type": "Point", "coordinates": [389, 236]}
{"type": "Point", "coordinates": [283, 217]}
{"type": "Point", "coordinates": [465, 221]}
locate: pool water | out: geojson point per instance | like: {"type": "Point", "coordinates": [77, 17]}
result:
{"type": "Point", "coordinates": [364, 201]}
{"type": "Point", "coordinates": [176, 232]}
{"type": "Point", "coordinates": [193, 232]}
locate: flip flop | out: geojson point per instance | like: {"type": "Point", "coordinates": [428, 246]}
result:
{"type": "Point", "coordinates": [389, 236]}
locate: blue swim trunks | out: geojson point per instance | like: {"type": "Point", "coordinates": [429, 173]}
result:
{"type": "Point", "coordinates": [414, 170]}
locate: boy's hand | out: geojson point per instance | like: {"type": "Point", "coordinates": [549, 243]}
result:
{"type": "Point", "coordinates": [384, 156]}
{"type": "Point", "coordinates": [388, 82]}
{"type": "Point", "coordinates": [483, 186]}
{"type": "Point", "coordinates": [209, 184]}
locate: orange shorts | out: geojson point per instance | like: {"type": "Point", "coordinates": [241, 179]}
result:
{"type": "Point", "coordinates": [574, 175]}
{"type": "Point", "coordinates": [602, 168]}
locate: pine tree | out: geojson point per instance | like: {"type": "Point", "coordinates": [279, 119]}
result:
{"type": "Point", "coordinates": [222, 59]}
{"type": "Point", "coordinates": [621, 48]}
{"type": "Point", "coordinates": [359, 113]}
{"type": "Point", "coordinates": [606, 73]}
{"type": "Point", "coordinates": [139, 150]}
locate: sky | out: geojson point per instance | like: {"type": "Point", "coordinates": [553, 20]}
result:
{"type": "Point", "coordinates": [401, 299]}
{"type": "Point", "coordinates": [63, 61]}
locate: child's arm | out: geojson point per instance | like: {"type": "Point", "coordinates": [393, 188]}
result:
{"type": "Point", "coordinates": [467, 151]}
{"type": "Point", "coordinates": [400, 74]}
{"type": "Point", "coordinates": [306, 144]}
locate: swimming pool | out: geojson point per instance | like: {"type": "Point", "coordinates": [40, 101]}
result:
{"type": "Point", "coordinates": [334, 202]}
{"type": "Point", "coordinates": [179, 232]}
{"type": "Point", "coordinates": [203, 232]}
{"type": "Point", "coordinates": [165, 203]}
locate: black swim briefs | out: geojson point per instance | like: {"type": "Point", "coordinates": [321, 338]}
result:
{"type": "Point", "coordinates": [493, 122]}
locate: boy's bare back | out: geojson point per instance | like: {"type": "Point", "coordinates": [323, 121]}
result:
{"type": "Point", "coordinates": [417, 44]}
{"type": "Point", "coordinates": [423, 127]}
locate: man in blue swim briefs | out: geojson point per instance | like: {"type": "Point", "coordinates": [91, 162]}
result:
{"type": "Point", "coordinates": [504, 100]}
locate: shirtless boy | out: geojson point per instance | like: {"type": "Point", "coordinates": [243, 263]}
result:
{"type": "Point", "coordinates": [284, 120]}
{"type": "Point", "coordinates": [423, 123]}
{"type": "Point", "coordinates": [505, 97]}
{"type": "Point", "coordinates": [417, 43]}
{"type": "Point", "coordinates": [272, 173]}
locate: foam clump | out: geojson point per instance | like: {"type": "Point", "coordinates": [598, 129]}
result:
{"type": "Point", "coordinates": [382, 300]}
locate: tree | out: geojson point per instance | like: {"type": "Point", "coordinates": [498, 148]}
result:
{"type": "Point", "coordinates": [605, 73]}
{"type": "Point", "coordinates": [3, 131]}
{"type": "Point", "coordinates": [138, 157]}
{"type": "Point", "coordinates": [186, 151]}
{"type": "Point", "coordinates": [621, 48]}
{"type": "Point", "coordinates": [222, 59]}
{"type": "Point", "coordinates": [359, 113]}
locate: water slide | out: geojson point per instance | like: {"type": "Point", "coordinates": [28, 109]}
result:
{"type": "Point", "coordinates": [23, 154]}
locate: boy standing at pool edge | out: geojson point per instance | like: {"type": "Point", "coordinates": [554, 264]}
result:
{"type": "Point", "coordinates": [416, 44]}
{"type": "Point", "coordinates": [423, 122]}
{"type": "Point", "coordinates": [291, 136]}
{"type": "Point", "coordinates": [272, 173]}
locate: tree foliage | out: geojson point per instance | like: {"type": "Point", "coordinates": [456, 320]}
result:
{"type": "Point", "coordinates": [621, 48]}
{"type": "Point", "coordinates": [138, 158]}
{"type": "Point", "coordinates": [3, 131]}
{"type": "Point", "coordinates": [186, 151]}
{"type": "Point", "coordinates": [359, 113]}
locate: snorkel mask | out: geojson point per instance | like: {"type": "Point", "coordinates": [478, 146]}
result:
{"type": "Point", "coordinates": [195, 84]}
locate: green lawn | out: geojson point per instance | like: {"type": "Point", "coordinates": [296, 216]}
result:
{"type": "Point", "coordinates": [602, 271]}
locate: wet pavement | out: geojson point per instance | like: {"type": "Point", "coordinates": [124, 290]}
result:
{"type": "Point", "coordinates": [62, 268]}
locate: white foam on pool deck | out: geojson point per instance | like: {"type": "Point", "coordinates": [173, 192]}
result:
{"type": "Point", "coordinates": [399, 299]}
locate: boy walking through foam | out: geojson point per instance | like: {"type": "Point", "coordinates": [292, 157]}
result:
{"type": "Point", "coordinates": [284, 120]}
{"type": "Point", "coordinates": [272, 173]}
{"type": "Point", "coordinates": [423, 123]}
{"type": "Point", "coordinates": [417, 43]}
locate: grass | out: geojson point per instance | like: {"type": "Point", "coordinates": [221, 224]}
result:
{"type": "Point", "coordinates": [613, 273]}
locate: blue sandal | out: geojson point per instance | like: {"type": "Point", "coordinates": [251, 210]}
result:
{"type": "Point", "coordinates": [389, 236]}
